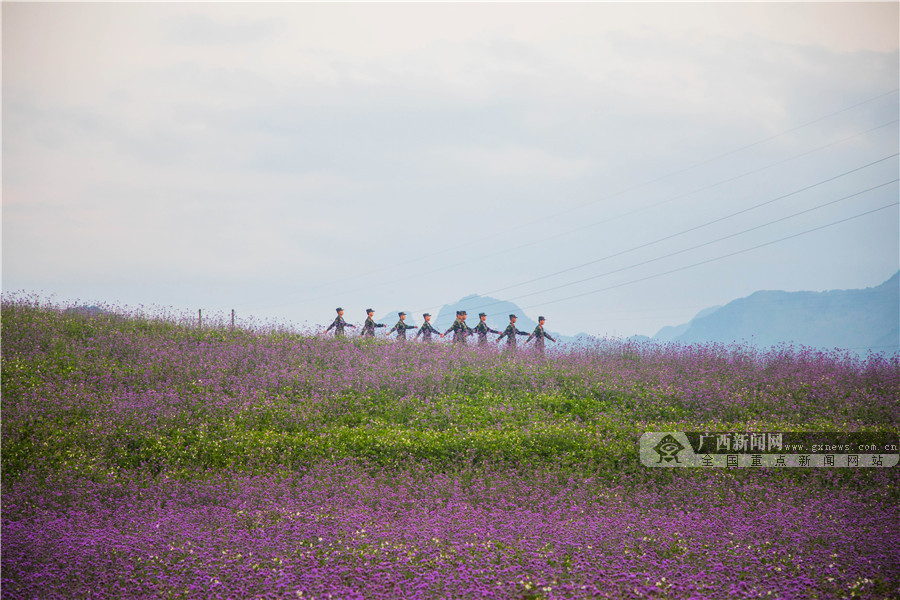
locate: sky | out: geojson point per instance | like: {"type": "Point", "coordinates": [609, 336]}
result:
{"type": "Point", "coordinates": [614, 167]}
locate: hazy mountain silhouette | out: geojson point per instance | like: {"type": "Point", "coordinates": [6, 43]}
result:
{"type": "Point", "coordinates": [391, 318]}
{"type": "Point", "coordinates": [498, 312]}
{"type": "Point", "coordinates": [671, 332]}
{"type": "Point", "coordinates": [857, 319]}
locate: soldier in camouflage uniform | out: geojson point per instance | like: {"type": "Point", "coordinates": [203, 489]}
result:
{"type": "Point", "coordinates": [511, 332]}
{"type": "Point", "coordinates": [538, 335]}
{"type": "Point", "coordinates": [400, 327]}
{"type": "Point", "coordinates": [339, 323]}
{"type": "Point", "coordinates": [459, 328]}
{"type": "Point", "coordinates": [427, 329]}
{"type": "Point", "coordinates": [370, 324]}
{"type": "Point", "coordinates": [482, 330]}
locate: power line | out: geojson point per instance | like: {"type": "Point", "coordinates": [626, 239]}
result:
{"type": "Point", "coordinates": [723, 181]}
{"type": "Point", "coordinates": [682, 251]}
{"type": "Point", "coordinates": [642, 209]}
{"type": "Point", "coordinates": [689, 168]}
{"type": "Point", "coordinates": [710, 242]}
{"type": "Point", "coordinates": [638, 186]}
{"type": "Point", "coordinates": [696, 227]}
{"type": "Point", "coordinates": [622, 252]}
{"type": "Point", "coordinates": [656, 205]}
{"type": "Point", "coordinates": [724, 256]}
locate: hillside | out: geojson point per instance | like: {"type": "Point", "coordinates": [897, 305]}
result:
{"type": "Point", "coordinates": [143, 458]}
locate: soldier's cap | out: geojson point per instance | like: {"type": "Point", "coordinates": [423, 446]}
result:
{"type": "Point", "coordinates": [368, 310]}
{"type": "Point", "coordinates": [401, 314]}
{"type": "Point", "coordinates": [513, 317]}
{"type": "Point", "coordinates": [462, 312]}
{"type": "Point", "coordinates": [426, 315]}
{"type": "Point", "coordinates": [338, 309]}
{"type": "Point", "coordinates": [541, 319]}
{"type": "Point", "coordinates": [459, 312]}
{"type": "Point", "coordinates": [482, 314]}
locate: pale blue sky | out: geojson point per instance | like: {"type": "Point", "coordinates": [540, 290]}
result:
{"type": "Point", "coordinates": [285, 158]}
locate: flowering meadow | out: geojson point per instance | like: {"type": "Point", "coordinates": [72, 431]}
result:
{"type": "Point", "coordinates": [144, 456]}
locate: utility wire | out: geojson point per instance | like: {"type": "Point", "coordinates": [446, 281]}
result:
{"type": "Point", "coordinates": [701, 189]}
{"type": "Point", "coordinates": [638, 186]}
{"type": "Point", "coordinates": [717, 258]}
{"type": "Point", "coordinates": [696, 227]}
{"type": "Point", "coordinates": [642, 209]}
{"type": "Point", "coordinates": [682, 251]}
{"type": "Point", "coordinates": [680, 171]}
{"type": "Point", "coordinates": [803, 189]}
{"type": "Point", "coordinates": [651, 206]}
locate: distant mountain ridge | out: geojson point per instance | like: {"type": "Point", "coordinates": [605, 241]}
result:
{"type": "Point", "coordinates": [856, 319]}
{"type": "Point", "coordinates": [391, 318]}
{"type": "Point", "coordinates": [497, 312]}
{"type": "Point", "coordinates": [671, 332]}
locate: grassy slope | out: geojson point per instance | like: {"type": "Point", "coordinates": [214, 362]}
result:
{"type": "Point", "coordinates": [90, 394]}
{"type": "Point", "coordinates": [379, 466]}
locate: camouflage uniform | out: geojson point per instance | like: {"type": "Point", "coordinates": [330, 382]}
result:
{"type": "Point", "coordinates": [511, 332]}
{"type": "Point", "coordinates": [460, 331]}
{"type": "Point", "coordinates": [426, 330]}
{"type": "Point", "coordinates": [482, 330]}
{"type": "Point", "coordinates": [369, 327]}
{"type": "Point", "coordinates": [338, 324]}
{"type": "Point", "coordinates": [539, 334]}
{"type": "Point", "coordinates": [400, 328]}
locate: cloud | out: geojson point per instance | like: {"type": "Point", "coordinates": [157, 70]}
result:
{"type": "Point", "coordinates": [204, 29]}
{"type": "Point", "coordinates": [514, 161]}
{"type": "Point", "coordinates": [282, 142]}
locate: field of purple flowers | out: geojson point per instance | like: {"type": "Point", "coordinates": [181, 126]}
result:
{"type": "Point", "coordinates": [142, 457]}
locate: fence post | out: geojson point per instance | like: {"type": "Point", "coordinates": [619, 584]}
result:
{"type": "Point", "coordinates": [200, 318]}
{"type": "Point", "coordinates": [232, 319]}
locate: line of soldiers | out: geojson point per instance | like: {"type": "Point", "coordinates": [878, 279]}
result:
{"type": "Point", "coordinates": [460, 329]}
